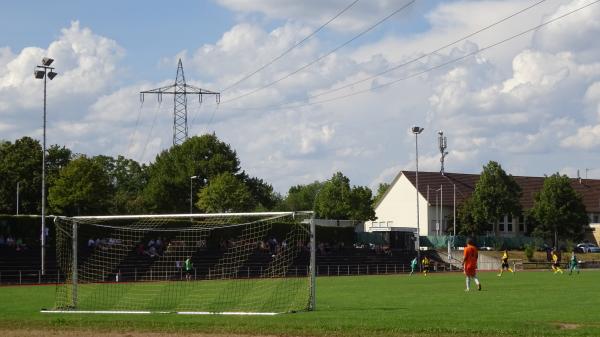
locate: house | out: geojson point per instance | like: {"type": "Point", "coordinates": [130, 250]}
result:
{"type": "Point", "coordinates": [441, 195]}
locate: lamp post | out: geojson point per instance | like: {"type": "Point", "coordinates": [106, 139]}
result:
{"type": "Point", "coordinates": [417, 130]}
{"type": "Point", "coordinates": [43, 72]}
{"type": "Point", "coordinates": [18, 197]}
{"type": "Point", "coordinates": [191, 194]}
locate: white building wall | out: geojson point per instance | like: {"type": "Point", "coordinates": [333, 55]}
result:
{"type": "Point", "coordinates": [398, 209]}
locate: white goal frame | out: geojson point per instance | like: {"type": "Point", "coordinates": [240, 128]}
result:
{"type": "Point", "coordinates": [265, 215]}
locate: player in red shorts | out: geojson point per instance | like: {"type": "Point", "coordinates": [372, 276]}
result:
{"type": "Point", "coordinates": [470, 264]}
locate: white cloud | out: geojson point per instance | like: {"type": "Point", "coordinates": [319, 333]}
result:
{"type": "Point", "coordinates": [86, 63]}
{"type": "Point", "coordinates": [317, 12]}
{"type": "Point", "coordinates": [522, 103]}
{"type": "Point", "coordinates": [587, 137]}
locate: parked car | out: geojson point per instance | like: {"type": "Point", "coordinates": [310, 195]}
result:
{"type": "Point", "coordinates": [588, 248]}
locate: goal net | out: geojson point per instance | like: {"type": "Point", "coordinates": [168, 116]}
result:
{"type": "Point", "coordinates": [200, 263]}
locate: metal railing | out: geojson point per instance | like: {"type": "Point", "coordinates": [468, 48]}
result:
{"type": "Point", "coordinates": [34, 276]}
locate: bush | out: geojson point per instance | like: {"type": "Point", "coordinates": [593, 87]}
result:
{"type": "Point", "coordinates": [499, 244]}
{"type": "Point", "coordinates": [529, 250]}
{"type": "Point", "coordinates": [569, 245]}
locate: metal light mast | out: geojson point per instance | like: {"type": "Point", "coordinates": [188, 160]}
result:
{"type": "Point", "coordinates": [180, 90]}
{"type": "Point", "coordinates": [443, 144]}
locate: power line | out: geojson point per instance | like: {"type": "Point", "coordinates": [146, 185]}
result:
{"type": "Point", "coordinates": [291, 106]}
{"type": "Point", "coordinates": [324, 55]}
{"type": "Point", "coordinates": [430, 53]}
{"type": "Point", "coordinates": [291, 48]}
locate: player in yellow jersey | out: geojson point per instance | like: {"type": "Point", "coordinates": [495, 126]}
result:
{"type": "Point", "coordinates": [425, 264]}
{"type": "Point", "coordinates": [505, 265]}
{"type": "Point", "coordinates": [556, 263]}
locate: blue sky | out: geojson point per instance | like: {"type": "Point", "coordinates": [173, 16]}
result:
{"type": "Point", "coordinates": [533, 103]}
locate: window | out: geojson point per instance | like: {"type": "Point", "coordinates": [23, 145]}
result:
{"type": "Point", "coordinates": [501, 225]}
{"type": "Point", "coordinates": [509, 223]}
{"type": "Point", "coordinates": [521, 224]}
{"type": "Point", "coordinates": [596, 216]}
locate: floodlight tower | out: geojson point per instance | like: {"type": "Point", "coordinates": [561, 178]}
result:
{"type": "Point", "coordinates": [443, 144]}
{"type": "Point", "coordinates": [44, 72]}
{"type": "Point", "coordinates": [180, 90]}
{"type": "Point", "coordinates": [417, 130]}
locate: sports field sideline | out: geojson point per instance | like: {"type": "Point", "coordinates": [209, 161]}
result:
{"type": "Point", "coordinates": [524, 304]}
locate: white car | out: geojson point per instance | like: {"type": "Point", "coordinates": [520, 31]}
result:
{"type": "Point", "coordinates": [588, 248]}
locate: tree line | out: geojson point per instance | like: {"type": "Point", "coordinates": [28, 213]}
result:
{"type": "Point", "coordinates": [79, 184]}
{"type": "Point", "coordinates": [558, 210]}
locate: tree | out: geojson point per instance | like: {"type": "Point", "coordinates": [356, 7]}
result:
{"type": "Point", "coordinates": [496, 194]}
{"type": "Point", "coordinates": [559, 210]}
{"type": "Point", "coordinates": [333, 201]}
{"type": "Point", "coordinates": [168, 185]}
{"type": "Point", "coordinates": [337, 200]}
{"type": "Point", "coordinates": [82, 188]}
{"type": "Point", "coordinates": [21, 163]}
{"type": "Point", "coordinates": [361, 204]}
{"type": "Point", "coordinates": [381, 190]}
{"type": "Point", "coordinates": [57, 157]}
{"type": "Point", "coordinates": [302, 197]}
{"type": "Point", "coordinates": [225, 193]}
{"type": "Point", "coordinates": [262, 193]}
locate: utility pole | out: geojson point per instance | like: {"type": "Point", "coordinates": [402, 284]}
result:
{"type": "Point", "coordinates": [180, 90]}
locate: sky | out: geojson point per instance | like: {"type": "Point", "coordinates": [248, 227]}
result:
{"type": "Point", "coordinates": [343, 100]}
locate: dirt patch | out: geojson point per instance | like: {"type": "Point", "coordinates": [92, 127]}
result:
{"type": "Point", "coordinates": [568, 326]}
{"type": "Point", "coordinates": [91, 333]}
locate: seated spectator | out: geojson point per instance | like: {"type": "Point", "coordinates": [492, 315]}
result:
{"type": "Point", "coordinates": [140, 249]}
{"type": "Point", "coordinates": [19, 245]}
{"type": "Point", "coordinates": [151, 243]}
{"type": "Point", "coordinates": [10, 241]}
{"type": "Point", "coordinates": [2, 241]}
{"type": "Point", "coordinates": [91, 243]}
{"type": "Point", "coordinates": [152, 252]}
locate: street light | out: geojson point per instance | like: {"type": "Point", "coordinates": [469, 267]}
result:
{"type": "Point", "coordinates": [18, 188]}
{"type": "Point", "coordinates": [417, 130]}
{"type": "Point", "coordinates": [191, 195]}
{"type": "Point", "coordinates": [43, 72]}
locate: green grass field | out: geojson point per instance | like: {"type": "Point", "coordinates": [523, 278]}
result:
{"type": "Point", "coordinates": [525, 304]}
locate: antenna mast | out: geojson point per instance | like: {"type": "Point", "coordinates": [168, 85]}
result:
{"type": "Point", "coordinates": [180, 90]}
{"type": "Point", "coordinates": [443, 144]}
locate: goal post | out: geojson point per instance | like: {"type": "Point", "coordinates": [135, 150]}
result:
{"type": "Point", "coordinates": [235, 263]}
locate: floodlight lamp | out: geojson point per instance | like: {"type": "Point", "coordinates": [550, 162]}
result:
{"type": "Point", "coordinates": [193, 177]}
{"type": "Point", "coordinates": [417, 129]}
{"type": "Point", "coordinates": [46, 61]}
{"type": "Point", "coordinates": [52, 75]}
{"type": "Point", "coordinates": [39, 74]}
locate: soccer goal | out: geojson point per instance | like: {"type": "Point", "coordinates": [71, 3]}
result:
{"type": "Point", "coordinates": [231, 263]}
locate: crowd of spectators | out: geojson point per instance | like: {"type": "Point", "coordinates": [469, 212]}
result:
{"type": "Point", "coordinates": [104, 243]}
{"type": "Point", "coordinates": [12, 243]}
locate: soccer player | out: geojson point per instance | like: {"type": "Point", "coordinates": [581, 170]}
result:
{"type": "Point", "coordinates": [505, 265]}
{"type": "Point", "coordinates": [413, 265]}
{"type": "Point", "coordinates": [556, 263]}
{"type": "Point", "coordinates": [425, 263]}
{"type": "Point", "coordinates": [187, 266]}
{"type": "Point", "coordinates": [470, 264]}
{"type": "Point", "coordinates": [573, 263]}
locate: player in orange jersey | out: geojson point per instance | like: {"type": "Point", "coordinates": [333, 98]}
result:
{"type": "Point", "coordinates": [470, 264]}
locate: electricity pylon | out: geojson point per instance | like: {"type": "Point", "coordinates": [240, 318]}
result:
{"type": "Point", "coordinates": [180, 90]}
